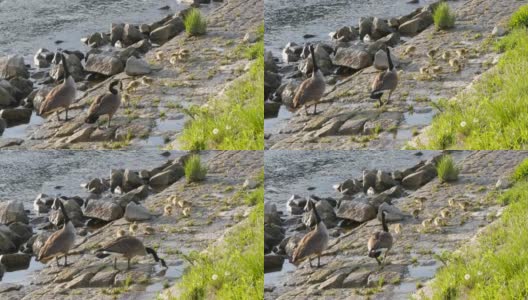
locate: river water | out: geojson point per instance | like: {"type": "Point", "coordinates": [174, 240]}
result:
{"type": "Point", "coordinates": [288, 20]}
{"type": "Point", "coordinates": [26, 25]}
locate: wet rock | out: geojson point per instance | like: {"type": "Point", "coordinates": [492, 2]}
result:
{"type": "Point", "coordinates": [134, 195]}
{"type": "Point", "coordinates": [503, 183]}
{"type": "Point", "coordinates": [135, 67]}
{"type": "Point", "coordinates": [164, 33]}
{"type": "Point", "coordinates": [42, 58]}
{"type": "Point", "coordinates": [116, 32]}
{"type": "Point", "coordinates": [96, 186]}
{"type": "Point", "coordinates": [273, 235]}
{"type": "Point", "coordinates": [12, 211]}
{"type": "Point", "coordinates": [333, 282]}
{"type": "Point", "coordinates": [12, 66]}
{"type": "Point", "coordinates": [346, 34]}
{"type": "Point", "coordinates": [271, 215]}
{"type": "Point", "coordinates": [327, 213]}
{"type": "Point", "coordinates": [381, 62]}
{"type": "Point", "coordinates": [356, 279]}
{"type": "Point", "coordinates": [103, 278]}
{"type": "Point", "coordinates": [393, 213]}
{"type": "Point", "coordinates": [15, 261]}
{"type": "Point", "coordinates": [73, 209]}
{"type": "Point", "coordinates": [273, 262]}
{"type": "Point", "coordinates": [384, 181]}
{"type": "Point", "coordinates": [23, 230]}
{"type": "Point", "coordinates": [74, 66]}
{"type": "Point", "coordinates": [23, 87]}
{"type": "Point", "coordinates": [136, 212]}
{"type": "Point", "coordinates": [352, 58]}
{"type": "Point", "coordinates": [380, 28]}
{"type": "Point", "coordinates": [350, 187]}
{"type": "Point", "coordinates": [288, 92]}
{"type": "Point", "coordinates": [296, 204]}
{"type": "Point", "coordinates": [103, 210]}
{"type": "Point", "coordinates": [131, 180]}
{"type": "Point", "coordinates": [15, 116]}
{"type": "Point", "coordinates": [6, 243]}
{"type": "Point", "coordinates": [356, 211]}
{"type": "Point", "coordinates": [369, 179]}
{"type": "Point", "coordinates": [166, 178]}
{"type": "Point", "coordinates": [131, 35]}
{"type": "Point", "coordinates": [365, 27]}
{"type": "Point", "coordinates": [98, 39]}
{"type": "Point", "coordinates": [3, 126]}
{"type": "Point", "coordinates": [388, 277]}
{"type": "Point", "coordinates": [410, 27]}
{"type": "Point", "coordinates": [104, 64]}
{"type": "Point", "coordinates": [116, 178]}
{"type": "Point", "coordinates": [271, 109]}
{"type": "Point", "coordinates": [269, 62]}
{"type": "Point", "coordinates": [397, 175]}
{"type": "Point", "coordinates": [6, 99]}
{"type": "Point", "coordinates": [291, 53]}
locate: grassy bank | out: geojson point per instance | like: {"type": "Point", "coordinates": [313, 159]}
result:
{"type": "Point", "coordinates": [494, 114]}
{"type": "Point", "coordinates": [234, 270]}
{"type": "Point", "coordinates": [496, 266]}
{"type": "Point", "coordinates": [234, 121]}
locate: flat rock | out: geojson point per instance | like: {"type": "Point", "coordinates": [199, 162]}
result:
{"type": "Point", "coordinates": [136, 67]}
{"type": "Point", "coordinates": [352, 58]}
{"type": "Point", "coordinates": [12, 66]}
{"type": "Point", "coordinates": [136, 212]}
{"type": "Point", "coordinates": [103, 210]}
{"type": "Point", "coordinates": [12, 211]}
{"type": "Point", "coordinates": [104, 64]}
{"type": "Point", "coordinates": [103, 278]}
{"type": "Point", "coordinates": [356, 211]}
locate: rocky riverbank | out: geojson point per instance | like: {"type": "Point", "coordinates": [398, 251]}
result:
{"type": "Point", "coordinates": [349, 119]}
{"type": "Point", "coordinates": [156, 111]}
{"type": "Point", "coordinates": [411, 196]}
{"type": "Point", "coordinates": [173, 216]}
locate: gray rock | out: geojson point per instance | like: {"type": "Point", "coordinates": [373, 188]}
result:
{"type": "Point", "coordinates": [326, 213]}
{"type": "Point", "coordinates": [273, 235]}
{"type": "Point", "coordinates": [103, 278]}
{"type": "Point", "coordinates": [273, 262]}
{"type": "Point", "coordinates": [131, 35]}
{"type": "Point", "coordinates": [420, 177]}
{"type": "Point", "coordinates": [250, 37]}
{"type": "Point", "coordinates": [116, 32]}
{"type": "Point", "coordinates": [142, 46]}
{"type": "Point", "coordinates": [410, 27]}
{"type": "Point", "coordinates": [425, 19]}
{"type": "Point", "coordinates": [103, 210]}
{"type": "Point", "coordinates": [116, 178]}
{"type": "Point", "coordinates": [74, 66]}
{"type": "Point", "coordinates": [3, 126]}
{"type": "Point", "coordinates": [23, 230]}
{"type": "Point", "coordinates": [336, 281]}
{"type": "Point", "coordinates": [356, 211]}
{"type": "Point", "coordinates": [163, 34]}
{"type": "Point", "coordinates": [134, 195]}
{"type": "Point", "coordinates": [352, 58]}
{"type": "Point", "coordinates": [380, 28]}
{"type": "Point", "coordinates": [498, 31]}
{"type": "Point", "coordinates": [271, 215]}
{"type": "Point", "coordinates": [503, 183]}
{"type": "Point", "coordinates": [22, 86]}
{"type": "Point", "coordinates": [394, 192]}
{"type": "Point", "coordinates": [96, 186]}
{"type": "Point", "coordinates": [136, 212]}
{"type": "Point", "coordinates": [144, 28]}
{"type": "Point", "coordinates": [397, 175]}
{"type": "Point", "coordinates": [269, 62]}
{"type": "Point", "coordinates": [352, 126]}
{"type": "Point", "coordinates": [136, 67]}
{"type": "Point", "coordinates": [288, 92]}
{"type": "Point", "coordinates": [377, 200]}
{"type": "Point", "coordinates": [166, 178]}
{"type": "Point", "coordinates": [42, 58]}
{"type": "Point", "coordinates": [104, 64]}
{"type": "Point", "coordinates": [384, 181]}
{"type": "Point", "coordinates": [350, 187]}
{"type": "Point", "coordinates": [365, 27]}
{"type": "Point", "coordinates": [296, 204]}
{"type": "Point", "coordinates": [394, 214]}
{"type": "Point", "coordinates": [131, 180]}
{"type": "Point", "coordinates": [80, 281]}
{"type": "Point", "coordinates": [393, 22]}
{"type": "Point", "coordinates": [15, 116]}
{"type": "Point", "coordinates": [12, 211]}
{"type": "Point", "coordinates": [6, 99]}
{"type": "Point", "coordinates": [346, 34]}
{"type": "Point", "coordinates": [323, 61]}
{"type": "Point", "coordinates": [2, 287]}
{"type": "Point", "coordinates": [369, 179]}
{"type": "Point", "coordinates": [356, 279]}
{"type": "Point", "coordinates": [271, 109]}
{"type": "Point", "coordinates": [73, 209]}
{"type": "Point", "coordinates": [40, 95]}
{"type": "Point", "coordinates": [15, 261]}
{"type": "Point", "coordinates": [82, 135]}
{"type": "Point", "coordinates": [6, 243]}
{"type": "Point", "coordinates": [98, 39]}
{"type": "Point", "coordinates": [40, 241]}
{"type": "Point", "coordinates": [388, 277]}
{"type": "Point", "coordinates": [381, 62]}
{"type": "Point", "coordinates": [391, 40]}
{"type": "Point", "coordinates": [12, 66]}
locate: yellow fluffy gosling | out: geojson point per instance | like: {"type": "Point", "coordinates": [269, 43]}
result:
{"type": "Point", "coordinates": [120, 233]}
{"type": "Point", "coordinates": [133, 228]}
{"type": "Point", "coordinates": [186, 211]}
{"type": "Point", "coordinates": [159, 55]}
{"type": "Point", "coordinates": [147, 80]}
{"type": "Point", "coordinates": [149, 230]}
{"type": "Point", "coordinates": [168, 210]}
{"type": "Point", "coordinates": [409, 50]}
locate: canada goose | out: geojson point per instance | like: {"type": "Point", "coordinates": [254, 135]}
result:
{"type": "Point", "coordinates": [186, 211]}
{"type": "Point", "coordinates": [427, 222]}
{"type": "Point", "coordinates": [147, 80]}
{"type": "Point", "coordinates": [385, 81]}
{"type": "Point", "coordinates": [314, 242]}
{"type": "Point", "coordinates": [132, 86]}
{"type": "Point", "coordinates": [420, 201]}
{"type": "Point", "coordinates": [120, 232]}
{"type": "Point", "coordinates": [415, 213]}
{"type": "Point", "coordinates": [133, 228]}
{"type": "Point", "coordinates": [446, 55]}
{"type": "Point", "coordinates": [439, 221]}
{"type": "Point", "coordinates": [106, 104]}
{"type": "Point", "coordinates": [424, 70]}
{"type": "Point", "coordinates": [409, 50]}
{"type": "Point", "coordinates": [60, 96]}
{"type": "Point", "coordinates": [128, 247]}
{"type": "Point", "coordinates": [183, 53]}
{"type": "Point", "coordinates": [159, 55]}
{"type": "Point", "coordinates": [149, 230]}
{"type": "Point", "coordinates": [445, 213]}
{"type": "Point", "coordinates": [312, 89]}
{"type": "Point", "coordinates": [455, 63]}
{"type": "Point", "coordinates": [463, 205]}
{"type": "Point", "coordinates": [61, 241]}
{"type": "Point", "coordinates": [126, 99]}
{"type": "Point", "coordinates": [451, 202]}
{"type": "Point", "coordinates": [380, 241]}
{"type": "Point", "coordinates": [174, 59]}
{"type": "Point", "coordinates": [168, 210]}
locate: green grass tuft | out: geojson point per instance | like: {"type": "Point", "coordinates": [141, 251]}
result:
{"type": "Point", "coordinates": [521, 172]}
{"type": "Point", "coordinates": [233, 270]}
{"type": "Point", "coordinates": [495, 267]}
{"type": "Point", "coordinates": [447, 170]}
{"type": "Point", "coordinates": [194, 171]}
{"type": "Point", "coordinates": [195, 24]}
{"type": "Point", "coordinates": [234, 121]}
{"type": "Point", "coordinates": [493, 115]}
{"type": "Point", "coordinates": [443, 17]}
{"type": "Point", "coordinates": [519, 18]}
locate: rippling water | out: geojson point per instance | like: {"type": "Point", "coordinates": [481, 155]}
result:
{"type": "Point", "coordinates": [26, 25]}
{"type": "Point", "coordinates": [288, 20]}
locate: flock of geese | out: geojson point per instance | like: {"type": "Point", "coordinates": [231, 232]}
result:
{"type": "Point", "coordinates": [316, 241]}
{"type": "Point", "coordinates": [61, 241]}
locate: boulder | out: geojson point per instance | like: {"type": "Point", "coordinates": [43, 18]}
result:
{"type": "Point", "coordinates": [103, 279]}
{"type": "Point", "coordinates": [40, 240]}
{"type": "Point", "coordinates": [323, 61]}
{"type": "Point", "coordinates": [6, 99]}
{"type": "Point", "coordinates": [420, 177]}
{"type": "Point", "coordinates": [273, 262]}
{"type": "Point", "coordinates": [288, 92]}
{"type": "Point", "coordinates": [22, 86]}
{"type": "Point", "coordinates": [97, 186]}
{"type": "Point", "coordinates": [16, 116]}
{"type": "Point", "coordinates": [15, 261]}
{"type": "Point", "coordinates": [377, 200]}
{"type": "Point", "coordinates": [391, 40]}
{"type": "Point", "coordinates": [166, 178]}
{"type": "Point", "coordinates": [136, 67]}
{"type": "Point", "coordinates": [269, 62]}
{"type": "Point", "coordinates": [352, 126]}
{"type": "Point", "coordinates": [12, 211]}
{"type": "Point", "coordinates": [40, 95]}
{"type": "Point", "coordinates": [380, 28]}
{"type": "Point", "coordinates": [394, 192]}
{"type": "Point", "coordinates": [6, 244]}
{"type": "Point", "coordinates": [98, 39]}
{"type": "Point", "coordinates": [273, 235]}
{"type": "Point", "coordinates": [23, 230]}
{"type": "Point", "coordinates": [425, 19]}
{"type": "Point", "coordinates": [271, 215]}
{"type": "Point", "coordinates": [74, 211]}
{"type": "Point", "coordinates": [346, 34]}
{"type": "Point", "coordinates": [352, 58]}
{"type": "Point", "coordinates": [131, 35]}
{"type": "Point", "coordinates": [326, 213]}
{"type": "Point", "coordinates": [350, 187]}
{"type": "Point", "coordinates": [503, 183]}
{"type": "Point", "coordinates": [369, 179]}
{"type": "Point", "coordinates": [116, 32]}
{"type": "Point", "coordinates": [164, 33]}
{"type": "Point", "coordinates": [42, 58]}
{"type": "Point", "coordinates": [131, 180]}
{"type": "Point", "coordinates": [3, 126]}
{"type": "Point", "coordinates": [365, 27]}
{"type": "Point", "coordinates": [136, 212]}
{"type": "Point", "coordinates": [103, 210]}
{"type": "Point", "coordinates": [384, 181]}
{"type": "Point", "coordinates": [499, 31]}
{"type": "Point", "coordinates": [74, 66]}
{"type": "Point", "coordinates": [134, 195]}
{"type": "Point", "coordinates": [271, 109]}
{"type": "Point", "coordinates": [356, 211]}
{"type": "Point", "coordinates": [142, 46]}
{"type": "Point", "coordinates": [292, 52]}
{"type": "Point", "coordinates": [12, 66]}
{"type": "Point", "coordinates": [296, 204]}
{"type": "Point", "coordinates": [393, 214]}
{"type": "Point", "coordinates": [410, 27]}
{"type": "Point", "coordinates": [104, 64]}
{"type": "Point", "coordinates": [116, 179]}
{"type": "Point", "coordinates": [82, 135]}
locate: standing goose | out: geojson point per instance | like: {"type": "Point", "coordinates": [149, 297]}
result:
{"type": "Point", "coordinates": [314, 242]}
{"type": "Point", "coordinates": [106, 104]}
{"type": "Point", "coordinates": [60, 242]}
{"type": "Point", "coordinates": [60, 96]}
{"type": "Point", "coordinates": [312, 89]}
{"type": "Point", "coordinates": [128, 247]}
{"type": "Point", "coordinates": [385, 81]}
{"type": "Point", "coordinates": [380, 241]}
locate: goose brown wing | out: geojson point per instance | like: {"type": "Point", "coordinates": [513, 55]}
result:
{"type": "Point", "coordinates": [303, 248]}
{"type": "Point", "coordinates": [302, 93]}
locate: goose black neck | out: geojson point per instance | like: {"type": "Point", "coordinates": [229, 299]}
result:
{"type": "Point", "coordinates": [383, 222]}
{"type": "Point", "coordinates": [112, 89]}
{"type": "Point", "coordinates": [391, 66]}
{"type": "Point", "coordinates": [312, 53]}
{"type": "Point", "coordinates": [64, 214]}
{"type": "Point", "coordinates": [155, 255]}
{"type": "Point", "coordinates": [65, 66]}
{"type": "Point", "coordinates": [317, 218]}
